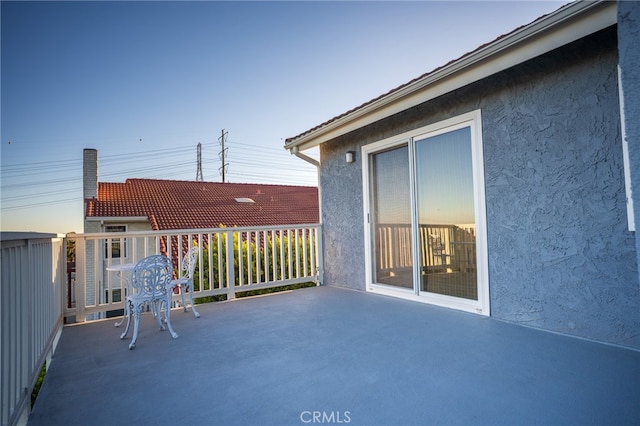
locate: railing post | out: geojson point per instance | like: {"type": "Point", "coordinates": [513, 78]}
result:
{"type": "Point", "coordinates": [231, 273]}
{"type": "Point", "coordinates": [320, 256]}
{"type": "Point", "coordinates": [81, 278]}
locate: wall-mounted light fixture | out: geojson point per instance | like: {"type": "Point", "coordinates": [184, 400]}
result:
{"type": "Point", "coordinates": [351, 156]}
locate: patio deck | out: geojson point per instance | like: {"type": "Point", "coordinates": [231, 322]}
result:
{"type": "Point", "coordinates": [351, 357]}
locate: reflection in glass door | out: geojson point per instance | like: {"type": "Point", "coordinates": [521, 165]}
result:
{"type": "Point", "coordinates": [446, 214]}
{"type": "Point", "coordinates": [391, 218]}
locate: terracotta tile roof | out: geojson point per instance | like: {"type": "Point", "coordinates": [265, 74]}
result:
{"type": "Point", "coordinates": [172, 204]}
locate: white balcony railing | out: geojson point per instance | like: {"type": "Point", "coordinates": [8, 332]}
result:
{"type": "Point", "coordinates": [231, 261]}
{"type": "Point", "coordinates": [35, 302]}
{"type": "Point", "coordinates": [442, 247]}
{"type": "Point", "coordinates": [31, 302]}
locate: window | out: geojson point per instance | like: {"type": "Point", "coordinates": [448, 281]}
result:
{"type": "Point", "coordinates": [244, 200]}
{"type": "Point", "coordinates": [116, 247]}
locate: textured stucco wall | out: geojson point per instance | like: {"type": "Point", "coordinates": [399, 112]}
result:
{"type": "Point", "coordinates": [342, 216]}
{"type": "Point", "coordinates": [629, 60]}
{"type": "Point", "coordinates": [560, 255]}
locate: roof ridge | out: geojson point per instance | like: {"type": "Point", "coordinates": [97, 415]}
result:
{"type": "Point", "coordinates": [284, 185]}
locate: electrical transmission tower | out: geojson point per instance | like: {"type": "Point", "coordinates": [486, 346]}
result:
{"type": "Point", "coordinates": [222, 154]}
{"type": "Point", "coordinates": [199, 177]}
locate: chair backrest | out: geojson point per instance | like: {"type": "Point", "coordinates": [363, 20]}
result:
{"type": "Point", "coordinates": [189, 262]}
{"type": "Point", "coordinates": [437, 247]}
{"type": "Point", "coordinates": [152, 275]}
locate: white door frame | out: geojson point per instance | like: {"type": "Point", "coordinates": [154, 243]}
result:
{"type": "Point", "coordinates": [474, 122]}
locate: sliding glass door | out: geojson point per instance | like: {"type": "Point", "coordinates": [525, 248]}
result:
{"type": "Point", "coordinates": [391, 214]}
{"type": "Point", "coordinates": [446, 214]}
{"type": "Point", "coordinates": [424, 200]}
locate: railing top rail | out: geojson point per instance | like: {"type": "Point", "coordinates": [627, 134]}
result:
{"type": "Point", "coordinates": [192, 231]}
{"type": "Point", "coordinates": [18, 235]}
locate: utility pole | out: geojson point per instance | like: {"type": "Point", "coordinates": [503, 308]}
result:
{"type": "Point", "coordinates": [223, 152]}
{"type": "Point", "coordinates": [199, 177]}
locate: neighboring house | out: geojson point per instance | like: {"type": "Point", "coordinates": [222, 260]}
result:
{"type": "Point", "coordinates": [499, 183]}
{"type": "Point", "coordinates": [155, 204]}
{"type": "Point", "coordinates": [164, 205]}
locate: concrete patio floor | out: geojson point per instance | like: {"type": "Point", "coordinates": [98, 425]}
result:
{"type": "Point", "coordinates": [326, 355]}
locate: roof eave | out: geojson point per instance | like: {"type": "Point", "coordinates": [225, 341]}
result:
{"type": "Point", "coordinates": [557, 29]}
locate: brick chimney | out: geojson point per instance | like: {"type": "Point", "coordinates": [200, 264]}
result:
{"type": "Point", "coordinates": [90, 173]}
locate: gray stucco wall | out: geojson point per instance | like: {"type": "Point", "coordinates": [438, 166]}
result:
{"type": "Point", "coordinates": [343, 223]}
{"type": "Point", "coordinates": [560, 255]}
{"type": "Point", "coordinates": [629, 60]}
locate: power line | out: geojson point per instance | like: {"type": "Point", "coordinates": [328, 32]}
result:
{"type": "Point", "coordinates": [78, 176]}
{"type": "Point", "coordinates": [39, 204]}
{"type": "Point", "coordinates": [40, 194]}
{"type": "Point", "coordinates": [262, 155]}
{"type": "Point", "coordinates": [257, 164]}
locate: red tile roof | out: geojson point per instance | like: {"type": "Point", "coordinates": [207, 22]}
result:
{"type": "Point", "coordinates": [172, 204]}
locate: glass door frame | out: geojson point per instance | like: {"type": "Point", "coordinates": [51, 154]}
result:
{"type": "Point", "coordinates": [473, 121]}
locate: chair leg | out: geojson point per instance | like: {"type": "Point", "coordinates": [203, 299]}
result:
{"type": "Point", "coordinates": [182, 289]}
{"type": "Point", "coordinates": [136, 323]}
{"type": "Point", "coordinates": [156, 306]}
{"type": "Point", "coordinates": [171, 291]}
{"type": "Point", "coordinates": [168, 317]}
{"type": "Point", "coordinates": [128, 312]}
{"type": "Point", "coordinates": [193, 305]}
{"type": "Point", "coordinates": [118, 324]}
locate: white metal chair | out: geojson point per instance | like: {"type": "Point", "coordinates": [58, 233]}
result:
{"type": "Point", "coordinates": [150, 282]}
{"type": "Point", "coordinates": [438, 250]}
{"type": "Point", "coordinates": [185, 282]}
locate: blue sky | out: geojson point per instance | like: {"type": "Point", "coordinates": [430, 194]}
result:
{"type": "Point", "coordinates": [145, 82]}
